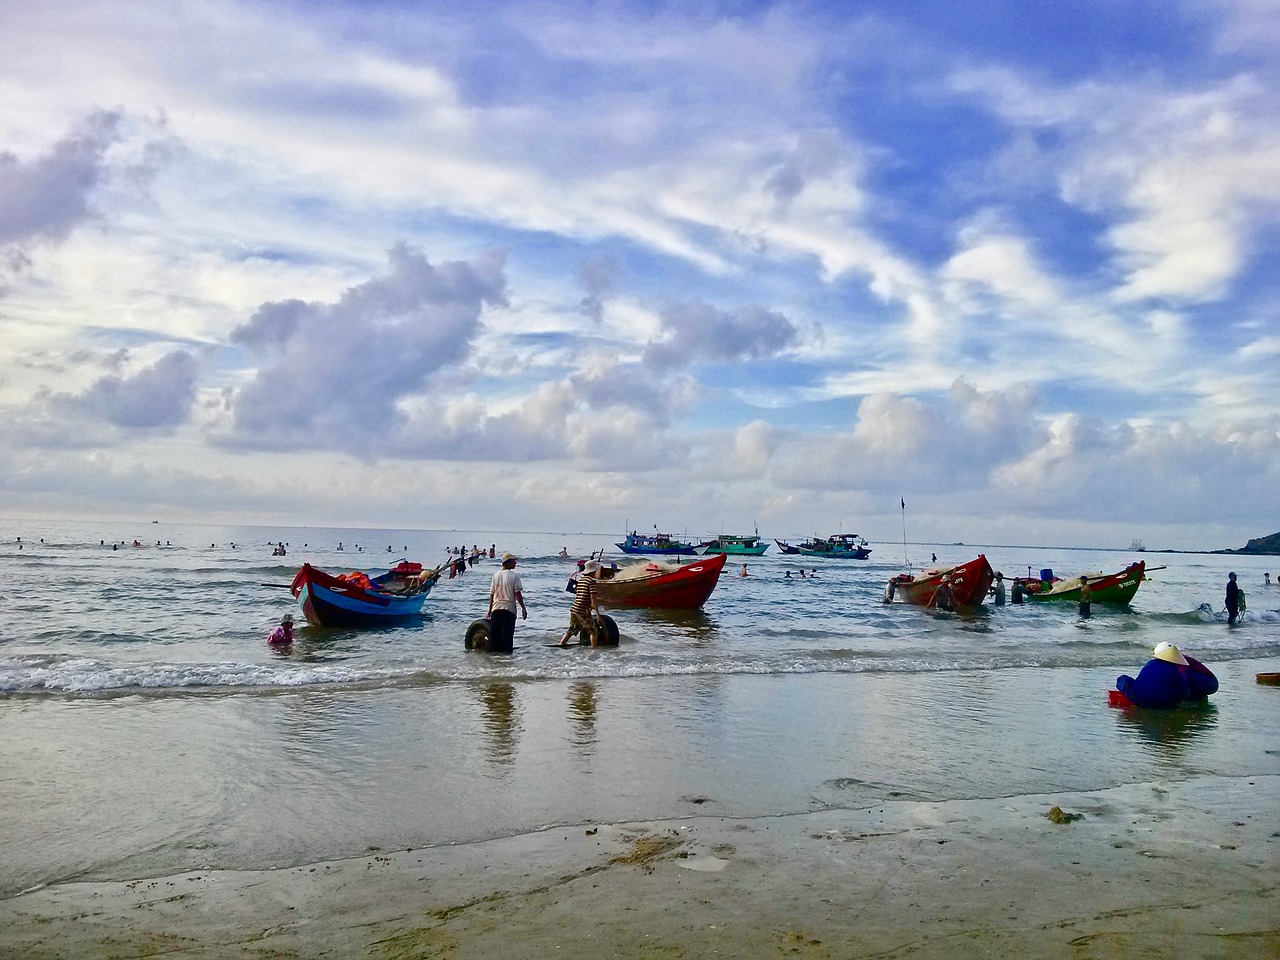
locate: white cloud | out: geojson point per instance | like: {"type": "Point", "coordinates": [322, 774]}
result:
{"type": "Point", "coordinates": [335, 371]}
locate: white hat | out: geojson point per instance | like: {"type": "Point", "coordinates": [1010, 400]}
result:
{"type": "Point", "coordinates": [287, 618]}
{"type": "Point", "coordinates": [591, 567]}
{"type": "Point", "coordinates": [1169, 653]}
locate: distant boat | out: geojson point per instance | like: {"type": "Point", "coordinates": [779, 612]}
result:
{"type": "Point", "coordinates": [355, 599]}
{"type": "Point", "coordinates": [1137, 547]}
{"type": "Point", "coordinates": [1104, 587]}
{"type": "Point", "coordinates": [660, 585]}
{"type": "Point", "coordinates": [785, 547]}
{"type": "Point", "coordinates": [849, 546]}
{"type": "Point", "coordinates": [969, 584]}
{"type": "Point", "coordinates": [738, 545]}
{"type": "Point", "coordinates": [661, 543]}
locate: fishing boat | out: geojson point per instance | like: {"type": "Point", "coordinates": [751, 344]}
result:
{"type": "Point", "coordinates": [662, 586]}
{"type": "Point", "coordinates": [785, 547]}
{"type": "Point", "coordinates": [969, 584]}
{"type": "Point", "coordinates": [661, 543]}
{"type": "Point", "coordinates": [736, 545]}
{"type": "Point", "coordinates": [849, 546]}
{"type": "Point", "coordinates": [355, 599]}
{"type": "Point", "coordinates": [1105, 587]}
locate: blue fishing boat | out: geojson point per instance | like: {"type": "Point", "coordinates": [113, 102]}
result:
{"type": "Point", "coordinates": [847, 546]}
{"type": "Point", "coordinates": [786, 547]}
{"type": "Point", "coordinates": [355, 599]}
{"type": "Point", "coordinates": [654, 543]}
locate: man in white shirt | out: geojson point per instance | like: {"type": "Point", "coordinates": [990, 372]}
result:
{"type": "Point", "coordinates": [505, 592]}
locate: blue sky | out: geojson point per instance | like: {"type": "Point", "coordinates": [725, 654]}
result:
{"type": "Point", "coordinates": [557, 266]}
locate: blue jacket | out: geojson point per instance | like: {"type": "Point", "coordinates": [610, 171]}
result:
{"type": "Point", "coordinates": [1161, 684]}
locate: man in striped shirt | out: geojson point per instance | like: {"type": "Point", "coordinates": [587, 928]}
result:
{"type": "Point", "coordinates": [585, 609]}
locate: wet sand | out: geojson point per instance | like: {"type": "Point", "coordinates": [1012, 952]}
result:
{"type": "Point", "coordinates": [1186, 869]}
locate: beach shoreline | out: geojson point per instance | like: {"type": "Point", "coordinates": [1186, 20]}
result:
{"type": "Point", "coordinates": [1185, 869]}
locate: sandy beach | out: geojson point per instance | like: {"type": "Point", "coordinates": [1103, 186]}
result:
{"type": "Point", "coordinates": [1189, 869]}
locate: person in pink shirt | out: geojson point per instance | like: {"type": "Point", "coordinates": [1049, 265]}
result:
{"type": "Point", "coordinates": [283, 633]}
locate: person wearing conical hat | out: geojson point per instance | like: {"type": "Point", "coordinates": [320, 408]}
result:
{"type": "Point", "coordinates": [1169, 678]}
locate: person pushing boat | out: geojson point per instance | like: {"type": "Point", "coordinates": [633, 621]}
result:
{"type": "Point", "coordinates": [585, 608]}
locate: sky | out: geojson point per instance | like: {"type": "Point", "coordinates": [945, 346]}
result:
{"type": "Point", "coordinates": [1003, 271]}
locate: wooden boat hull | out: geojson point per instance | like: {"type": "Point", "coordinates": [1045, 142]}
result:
{"type": "Point", "coordinates": [328, 601]}
{"type": "Point", "coordinates": [685, 588]}
{"type": "Point", "coordinates": [969, 584]}
{"type": "Point", "coordinates": [785, 547]}
{"type": "Point", "coordinates": [1111, 588]}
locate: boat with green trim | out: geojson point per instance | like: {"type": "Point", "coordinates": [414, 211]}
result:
{"type": "Point", "coordinates": [737, 545]}
{"type": "Point", "coordinates": [848, 546]}
{"type": "Point", "coordinates": [1117, 588]}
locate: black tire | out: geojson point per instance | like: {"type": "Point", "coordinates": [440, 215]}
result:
{"type": "Point", "coordinates": [607, 628]}
{"type": "Point", "coordinates": [477, 635]}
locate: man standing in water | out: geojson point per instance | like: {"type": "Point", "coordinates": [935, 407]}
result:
{"type": "Point", "coordinates": [1086, 597]}
{"type": "Point", "coordinates": [585, 609]}
{"type": "Point", "coordinates": [505, 591]}
{"type": "Point", "coordinates": [1233, 599]}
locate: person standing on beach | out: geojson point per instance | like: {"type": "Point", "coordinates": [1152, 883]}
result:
{"type": "Point", "coordinates": [1233, 599]}
{"type": "Point", "coordinates": [1086, 597]}
{"type": "Point", "coordinates": [505, 592]}
{"type": "Point", "coordinates": [585, 608]}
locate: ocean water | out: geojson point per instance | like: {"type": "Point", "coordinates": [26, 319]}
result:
{"type": "Point", "coordinates": [146, 727]}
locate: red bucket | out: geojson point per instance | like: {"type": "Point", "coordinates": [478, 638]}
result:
{"type": "Point", "coordinates": [1117, 699]}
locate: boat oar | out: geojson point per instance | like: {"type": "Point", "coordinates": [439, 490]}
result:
{"type": "Point", "coordinates": [287, 586]}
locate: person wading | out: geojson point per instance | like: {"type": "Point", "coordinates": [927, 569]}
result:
{"type": "Point", "coordinates": [505, 592]}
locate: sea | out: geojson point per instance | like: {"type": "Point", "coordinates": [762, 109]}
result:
{"type": "Point", "coordinates": [146, 728]}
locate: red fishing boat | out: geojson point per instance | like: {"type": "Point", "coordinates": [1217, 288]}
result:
{"type": "Point", "coordinates": [660, 585]}
{"type": "Point", "coordinates": [969, 584]}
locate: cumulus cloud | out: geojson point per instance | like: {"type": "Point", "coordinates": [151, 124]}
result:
{"type": "Point", "coordinates": [1169, 473]}
{"type": "Point", "coordinates": [904, 442]}
{"type": "Point", "coordinates": [157, 397]}
{"type": "Point", "coordinates": [335, 373]}
{"type": "Point", "coordinates": [698, 332]}
{"type": "Point", "coordinates": [45, 198]}
{"type": "Point", "coordinates": [153, 400]}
